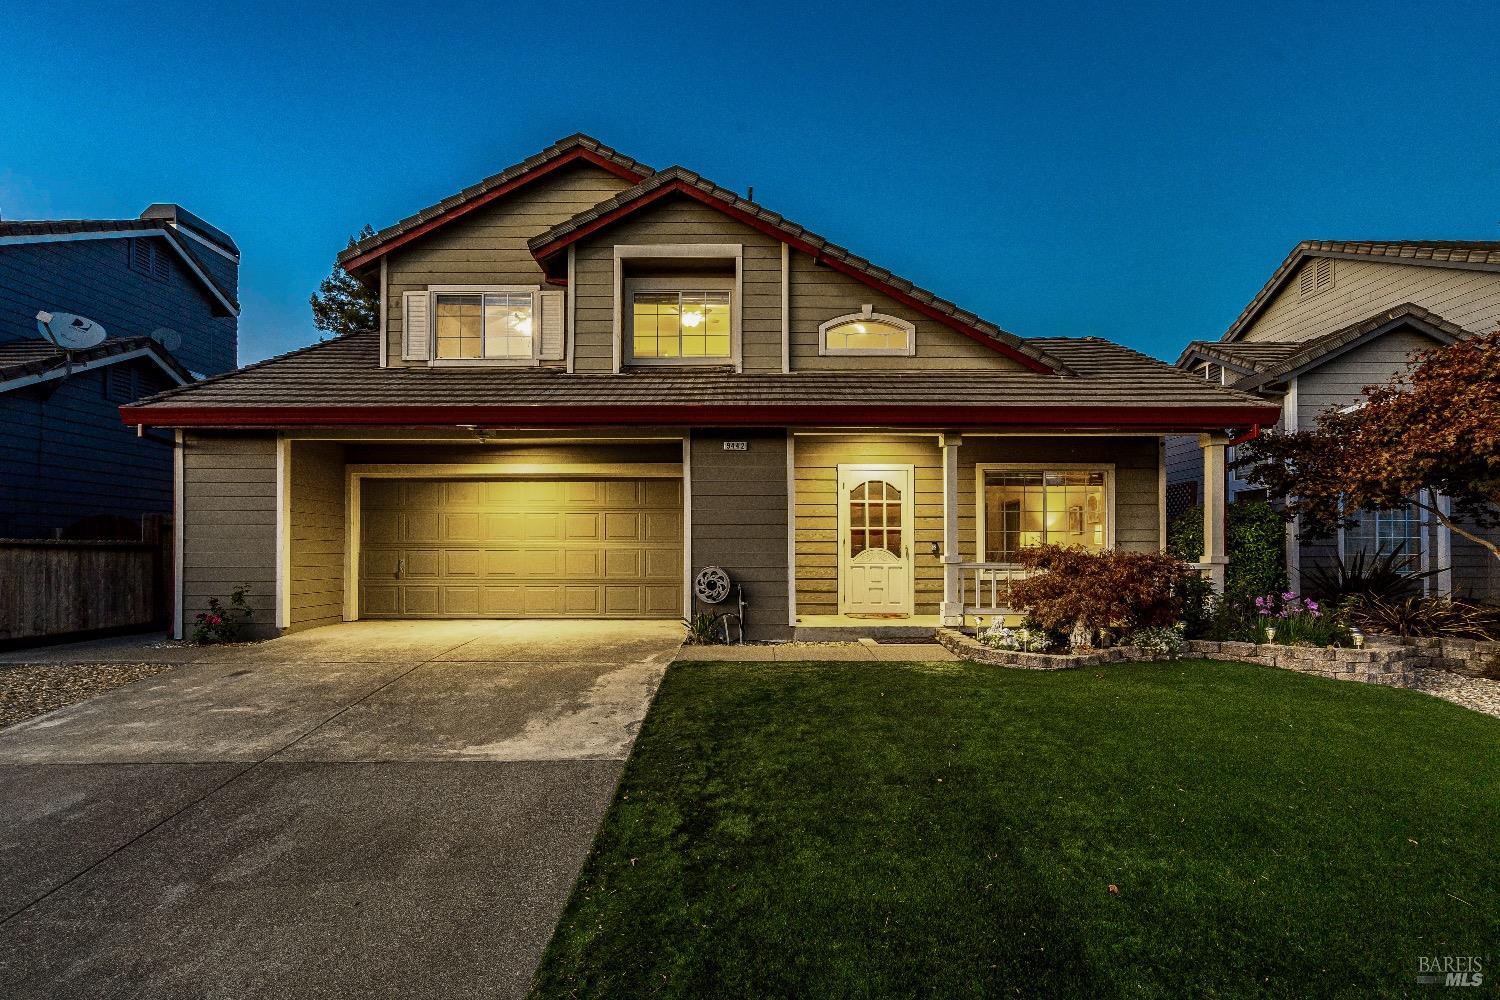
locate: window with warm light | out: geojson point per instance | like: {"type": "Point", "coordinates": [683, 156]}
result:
{"type": "Point", "coordinates": [867, 332]}
{"type": "Point", "coordinates": [1025, 507]}
{"type": "Point", "coordinates": [484, 326]}
{"type": "Point", "coordinates": [683, 324]}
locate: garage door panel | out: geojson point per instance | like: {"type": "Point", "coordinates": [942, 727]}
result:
{"type": "Point", "coordinates": [517, 548]}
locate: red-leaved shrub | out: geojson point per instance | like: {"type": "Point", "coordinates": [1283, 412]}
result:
{"type": "Point", "coordinates": [1120, 591]}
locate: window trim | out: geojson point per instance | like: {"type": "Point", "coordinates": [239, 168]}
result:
{"type": "Point", "coordinates": [866, 312]}
{"type": "Point", "coordinates": [1424, 531]}
{"type": "Point", "coordinates": [980, 468]}
{"type": "Point", "coordinates": [719, 251]}
{"type": "Point", "coordinates": [433, 361]}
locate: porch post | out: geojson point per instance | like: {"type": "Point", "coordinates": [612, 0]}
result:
{"type": "Point", "coordinates": [952, 609]}
{"type": "Point", "coordinates": [1214, 554]}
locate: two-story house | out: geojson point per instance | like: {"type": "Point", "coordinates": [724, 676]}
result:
{"type": "Point", "coordinates": [1336, 317]}
{"type": "Point", "coordinates": [162, 287]}
{"type": "Point", "coordinates": [592, 380]}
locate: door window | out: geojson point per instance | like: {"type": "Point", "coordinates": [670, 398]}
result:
{"type": "Point", "coordinates": [875, 517]}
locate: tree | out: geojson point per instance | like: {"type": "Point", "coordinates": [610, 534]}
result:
{"type": "Point", "coordinates": [1433, 430]}
{"type": "Point", "coordinates": [342, 304]}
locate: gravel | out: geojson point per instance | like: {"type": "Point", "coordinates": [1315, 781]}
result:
{"type": "Point", "coordinates": [1477, 693]}
{"type": "Point", "coordinates": [28, 689]}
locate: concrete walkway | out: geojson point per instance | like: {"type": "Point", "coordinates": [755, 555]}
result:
{"type": "Point", "coordinates": [386, 809]}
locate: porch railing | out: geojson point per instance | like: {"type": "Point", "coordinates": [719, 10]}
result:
{"type": "Point", "coordinates": [984, 587]}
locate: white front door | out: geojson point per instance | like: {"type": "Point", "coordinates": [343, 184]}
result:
{"type": "Point", "coordinates": [875, 522]}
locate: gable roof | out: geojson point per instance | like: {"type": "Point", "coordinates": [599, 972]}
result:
{"type": "Point", "coordinates": [572, 149]}
{"type": "Point", "coordinates": [1245, 355]}
{"type": "Point", "coordinates": [1463, 254]}
{"type": "Point", "coordinates": [338, 382]}
{"type": "Point", "coordinates": [547, 247]}
{"type": "Point", "coordinates": [23, 231]}
{"type": "Point", "coordinates": [1313, 352]}
{"type": "Point", "coordinates": [27, 362]}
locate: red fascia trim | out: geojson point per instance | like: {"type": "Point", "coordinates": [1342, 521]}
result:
{"type": "Point", "coordinates": [1250, 435]}
{"type": "Point", "coordinates": [682, 187]}
{"type": "Point", "coordinates": [456, 211]}
{"type": "Point", "coordinates": [1157, 419]}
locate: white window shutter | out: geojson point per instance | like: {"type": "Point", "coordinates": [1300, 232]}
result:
{"type": "Point", "coordinates": [415, 326]}
{"type": "Point", "coordinates": [552, 344]}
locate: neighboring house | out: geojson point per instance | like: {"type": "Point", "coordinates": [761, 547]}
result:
{"type": "Point", "coordinates": [1334, 318]}
{"type": "Point", "coordinates": [67, 465]}
{"type": "Point", "coordinates": [592, 380]}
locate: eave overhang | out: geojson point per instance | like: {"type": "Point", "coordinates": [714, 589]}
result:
{"type": "Point", "coordinates": [1059, 419]}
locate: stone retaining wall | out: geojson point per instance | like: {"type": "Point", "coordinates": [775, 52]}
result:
{"type": "Point", "coordinates": [1388, 665]}
{"type": "Point", "coordinates": [1387, 661]}
{"type": "Point", "coordinates": [1471, 657]}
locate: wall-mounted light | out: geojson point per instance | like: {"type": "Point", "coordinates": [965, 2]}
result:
{"type": "Point", "coordinates": [936, 549]}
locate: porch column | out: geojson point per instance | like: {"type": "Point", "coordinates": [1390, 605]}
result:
{"type": "Point", "coordinates": [953, 608]}
{"type": "Point", "coordinates": [1214, 555]}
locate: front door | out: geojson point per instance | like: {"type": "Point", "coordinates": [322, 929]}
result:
{"type": "Point", "coordinates": [875, 522]}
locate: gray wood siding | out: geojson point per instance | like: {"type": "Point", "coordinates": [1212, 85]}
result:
{"type": "Point", "coordinates": [679, 220]}
{"type": "Point", "coordinates": [819, 294]}
{"type": "Point", "coordinates": [1476, 573]}
{"type": "Point", "coordinates": [1361, 288]}
{"type": "Point", "coordinates": [1338, 381]}
{"type": "Point", "coordinates": [1137, 524]}
{"type": "Point", "coordinates": [66, 456]}
{"type": "Point", "coordinates": [229, 524]}
{"type": "Point", "coordinates": [94, 278]}
{"type": "Point", "coordinates": [488, 246]}
{"type": "Point", "coordinates": [739, 520]}
{"type": "Point", "coordinates": [317, 534]}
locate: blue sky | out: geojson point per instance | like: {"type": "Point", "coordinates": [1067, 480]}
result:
{"type": "Point", "coordinates": [1060, 170]}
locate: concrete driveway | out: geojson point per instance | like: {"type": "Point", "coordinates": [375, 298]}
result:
{"type": "Point", "coordinates": [372, 809]}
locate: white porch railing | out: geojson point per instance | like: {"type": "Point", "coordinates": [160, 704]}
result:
{"type": "Point", "coordinates": [984, 587]}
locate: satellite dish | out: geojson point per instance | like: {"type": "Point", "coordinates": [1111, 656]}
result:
{"type": "Point", "coordinates": [69, 332]}
{"type": "Point", "coordinates": [167, 337]}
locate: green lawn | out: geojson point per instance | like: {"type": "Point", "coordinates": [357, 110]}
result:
{"type": "Point", "coordinates": [935, 830]}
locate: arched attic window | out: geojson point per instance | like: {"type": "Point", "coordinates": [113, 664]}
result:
{"type": "Point", "coordinates": [867, 333]}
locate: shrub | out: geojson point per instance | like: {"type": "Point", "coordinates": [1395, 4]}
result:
{"type": "Point", "coordinates": [1436, 617]}
{"type": "Point", "coordinates": [1365, 577]}
{"type": "Point", "coordinates": [1160, 640]}
{"type": "Point", "coordinates": [1021, 640]}
{"type": "Point", "coordinates": [1254, 541]}
{"type": "Point", "coordinates": [221, 624]}
{"type": "Point", "coordinates": [704, 629]}
{"type": "Point", "coordinates": [1099, 591]}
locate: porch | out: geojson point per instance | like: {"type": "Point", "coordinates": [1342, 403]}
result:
{"type": "Point", "coordinates": [911, 531]}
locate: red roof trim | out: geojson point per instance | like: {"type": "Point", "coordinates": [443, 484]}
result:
{"type": "Point", "coordinates": [551, 166]}
{"type": "Point", "coordinates": [1161, 419]}
{"type": "Point", "coordinates": [549, 250]}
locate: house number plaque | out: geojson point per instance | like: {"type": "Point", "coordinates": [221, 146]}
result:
{"type": "Point", "coordinates": [736, 445]}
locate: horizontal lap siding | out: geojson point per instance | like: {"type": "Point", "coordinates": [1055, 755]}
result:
{"type": "Point", "coordinates": [317, 541]}
{"type": "Point", "coordinates": [488, 246]}
{"type": "Point", "coordinates": [1476, 573]}
{"type": "Point", "coordinates": [229, 523]}
{"type": "Point", "coordinates": [819, 294]}
{"type": "Point", "coordinates": [560, 454]}
{"type": "Point", "coordinates": [94, 278]}
{"type": "Point", "coordinates": [740, 520]}
{"type": "Point", "coordinates": [66, 456]}
{"type": "Point", "coordinates": [1338, 381]}
{"type": "Point", "coordinates": [678, 220]}
{"type": "Point", "coordinates": [817, 462]}
{"type": "Point", "coordinates": [1362, 288]}
{"type": "Point", "coordinates": [1136, 512]}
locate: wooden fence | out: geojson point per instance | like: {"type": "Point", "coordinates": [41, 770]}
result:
{"type": "Point", "coordinates": [56, 588]}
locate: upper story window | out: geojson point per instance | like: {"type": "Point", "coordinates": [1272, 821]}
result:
{"type": "Point", "coordinates": [867, 332]}
{"type": "Point", "coordinates": [688, 323]}
{"type": "Point", "coordinates": [488, 325]}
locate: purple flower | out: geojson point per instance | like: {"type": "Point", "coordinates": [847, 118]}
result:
{"type": "Point", "coordinates": [1312, 607]}
{"type": "Point", "coordinates": [1289, 596]}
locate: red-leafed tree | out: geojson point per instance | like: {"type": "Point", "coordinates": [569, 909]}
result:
{"type": "Point", "coordinates": [1434, 430]}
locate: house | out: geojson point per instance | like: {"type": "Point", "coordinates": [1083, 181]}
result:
{"type": "Point", "coordinates": [162, 287]}
{"type": "Point", "coordinates": [593, 379]}
{"type": "Point", "coordinates": [1334, 318]}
